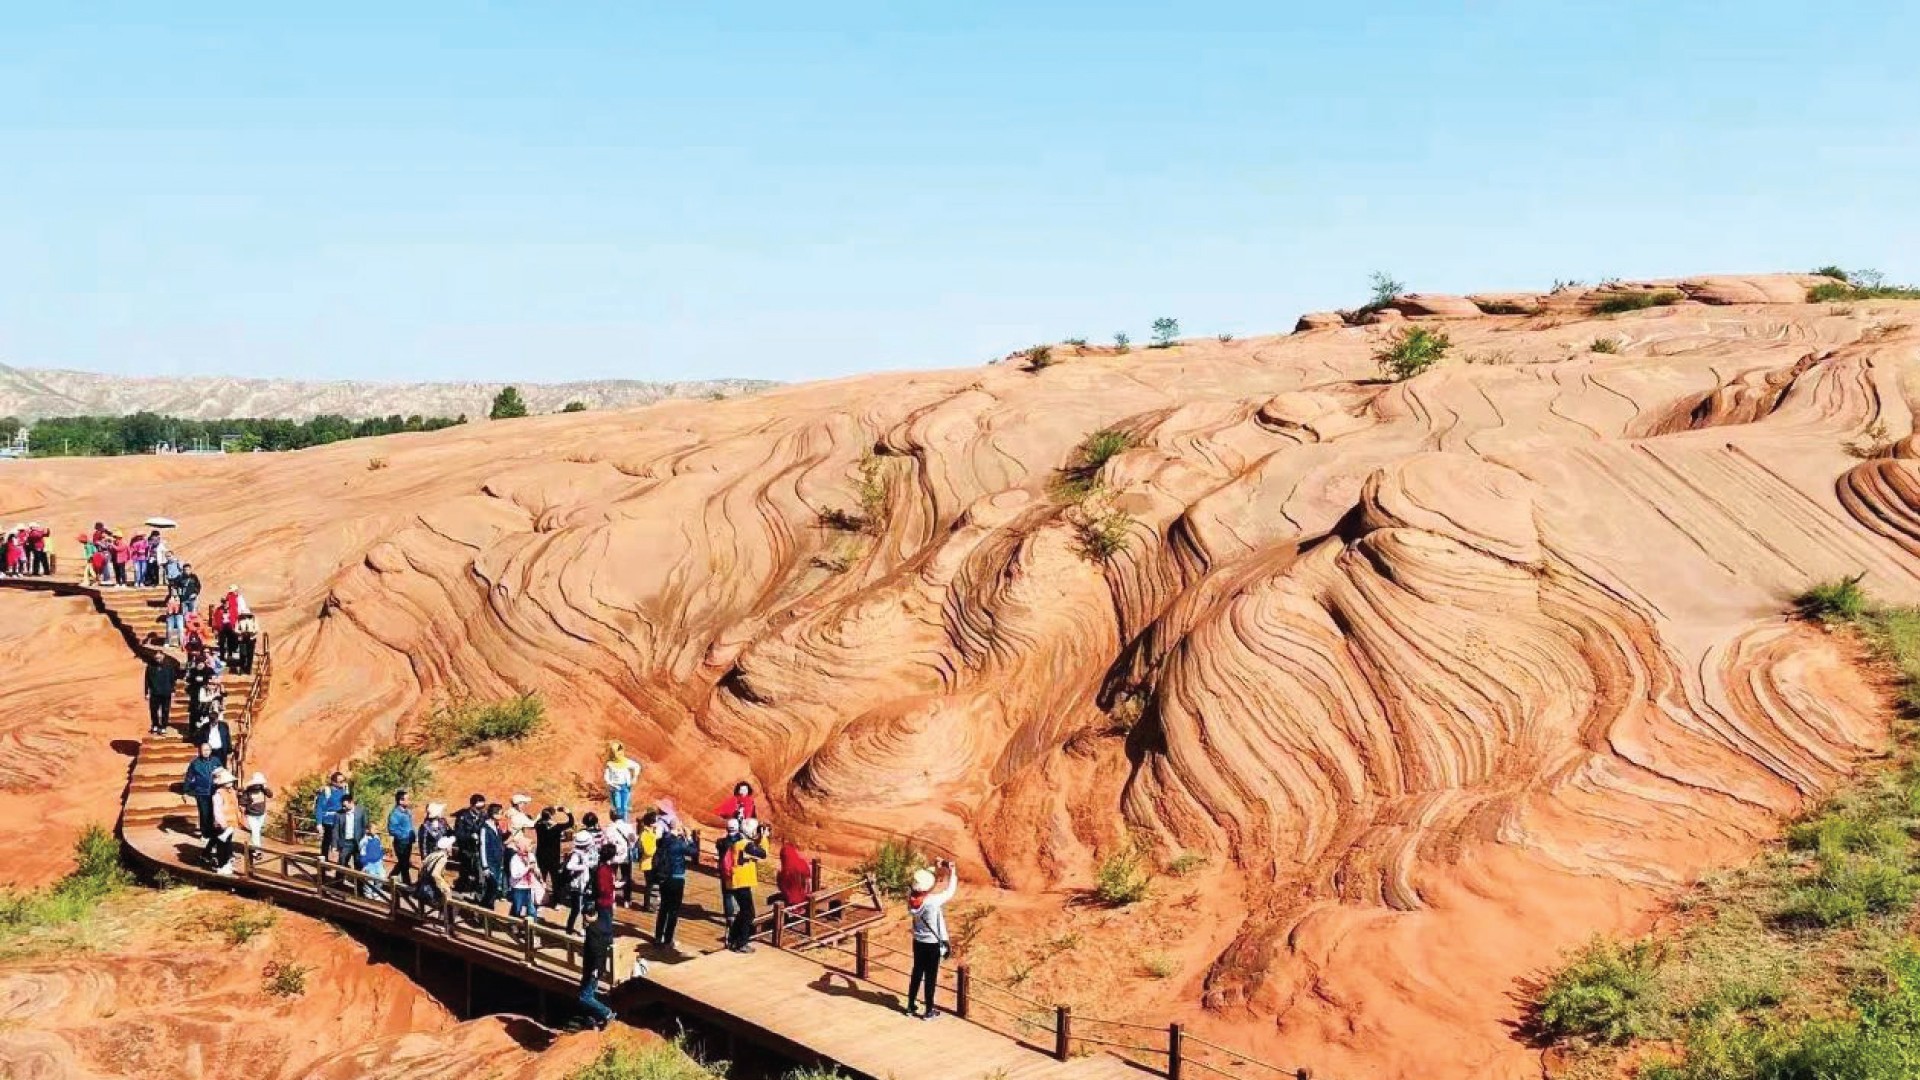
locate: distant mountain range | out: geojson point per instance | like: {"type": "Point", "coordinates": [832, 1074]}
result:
{"type": "Point", "coordinates": [32, 393]}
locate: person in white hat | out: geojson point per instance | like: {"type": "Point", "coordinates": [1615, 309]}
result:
{"type": "Point", "coordinates": [518, 817]}
{"type": "Point", "coordinates": [253, 806]}
{"type": "Point", "coordinates": [433, 871]}
{"type": "Point", "coordinates": [926, 904]}
{"type": "Point", "coordinates": [579, 868]}
{"type": "Point", "coordinates": [226, 820]}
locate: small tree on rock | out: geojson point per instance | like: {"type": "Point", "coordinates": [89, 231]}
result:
{"type": "Point", "coordinates": [507, 405]}
{"type": "Point", "coordinates": [1164, 331]}
{"type": "Point", "coordinates": [574, 406]}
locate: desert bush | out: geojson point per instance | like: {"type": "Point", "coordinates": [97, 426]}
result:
{"type": "Point", "coordinates": [1122, 878]}
{"type": "Point", "coordinates": [285, 978]}
{"type": "Point", "coordinates": [1079, 343]}
{"type": "Point", "coordinates": [1848, 888]}
{"type": "Point", "coordinates": [97, 874]}
{"type": "Point", "coordinates": [1101, 529]}
{"type": "Point", "coordinates": [574, 406]}
{"type": "Point", "coordinates": [1605, 345]}
{"type": "Point", "coordinates": [1186, 863]}
{"type": "Point", "coordinates": [1412, 351]}
{"type": "Point", "coordinates": [460, 723]}
{"type": "Point", "coordinates": [1103, 446]}
{"type": "Point", "coordinates": [1164, 331]}
{"type": "Point", "coordinates": [1383, 289]}
{"type": "Point", "coordinates": [968, 924]}
{"type": "Point", "coordinates": [1832, 292]}
{"type": "Point", "coordinates": [1840, 600]}
{"type": "Point", "coordinates": [1619, 303]}
{"type": "Point", "coordinates": [375, 464]}
{"type": "Point", "coordinates": [1158, 965]}
{"type": "Point", "coordinates": [507, 405]}
{"type": "Point", "coordinates": [1493, 358]}
{"type": "Point", "coordinates": [841, 519]}
{"type": "Point", "coordinates": [1224, 339]}
{"type": "Point", "coordinates": [1873, 443]}
{"type": "Point", "coordinates": [872, 489]}
{"type": "Point", "coordinates": [246, 925]}
{"type": "Point", "coordinates": [1505, 307]}
{"type": "Point", "coordinates": [1121, 342]}
{"type": "Point", "coordinates": [892, 865]}
{"type": "Point", "coordinates": [1608, 992]}
{"type": "Point", "coordinates": [1039, 357]}
{"type": "Point", "coordinates": [1831, 271]}
{"type": "Point", "coordinates": [374, 778]}
{"type": "Point", "coordinates": [670, 1060]}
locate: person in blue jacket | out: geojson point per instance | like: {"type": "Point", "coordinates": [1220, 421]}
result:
{"type": "Point", "coordinates": [670, 858]}
{"type": "Point", "coordinates": [400, 831]}
{"type": "Point", "coordinates": [372, 861]}
{"type": "Point", "coordinates": [199, 784]}
{"type": "Point", "coordinates": [326, 807]}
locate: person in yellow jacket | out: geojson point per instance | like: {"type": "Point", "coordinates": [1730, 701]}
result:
{"type": "Point", "coordinates": [649, 843]}
{"type": "Point", "coordinates": [621, 773]}
{"type": "Point", "coordinates": [741, 883]}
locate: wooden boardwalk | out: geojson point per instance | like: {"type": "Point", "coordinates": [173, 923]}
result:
{"type": "Point", "coordinates": [808, 992]}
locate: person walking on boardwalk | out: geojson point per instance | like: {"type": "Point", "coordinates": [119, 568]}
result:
{"type": "Point", "coordinates": [176, 622]}
{"type": "Point", "coordinates": [523, 879]}
{"type": "Point", "coordinates": [549, 833]}
{"type": "Point", "coordinates": [493, 856]}
{"type": "Point", "coordinates": [253, 807]}
{"type": "Point", "coordinates": [199, 784]}
{"type": "Point", "coordinates": [670, 857]}
{"type": "Point", "coordinates": [747, 856]}
{"type": "Point", "coordinates": [216, 735]}
{"type": "Point", "coordinates": [466, 837]}
{"type": "Point", "coordinates": [400, 830]}
{"type": "Point", "coordinates": [795, 877]}
{"type": "Point", "coordinates": [158, 685]}
{"type": "Point", "coordinates": [226, 824]}
{"type": "Point", "coordinates": [648, 845]}
{"type": "Point", "coordinates": [431, 830]}
{"type": "Point", "coordinates": [248, 640]}
{"type": "Point", "coordinates": [604, 890]}
{"type": "Point", "coordinates": [371, 859]}
{"type": "Point", "coordinates": [432, 888]}
{"type": "Point", "coordinates": [596, 961]}
{"type": "Point", "coordinates": [326, 808]}
{"type": "Point", "coordinates": [189, 588]}
{"type": "Point", "coordinates": [620, 774]}
{"type": "Point", "coordinates": [349, 825]}
{"type": "Point", "coordinates": [579, 871]}
{"type": "Point", "coordinates": [927, 905]}
{"type": "Point", "coordinates": [627, 839]}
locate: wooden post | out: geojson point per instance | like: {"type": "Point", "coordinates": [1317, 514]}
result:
{"type": "Point", "coordinates": [1062, 1032]}
{"type": "Point", "coordinates": [526, 925]}
{"type": "Point", "coordinates": [962, 990]}
{"type": "Point", "coordinates": [779, 923]}
{"type": "Point", "coordinates": [320, 878]}
{"type": "Point", "coordinates": [246, 862]}
{"type": "Point", "coordinates": [393, 901]}
{"type": "Point", "coordinates": [811, 928]}
{"type": "Point", "coordinates": [860, 953]}
{"type": "Point", "coordinates": [289, 826]}
{"type": "Point", "coordinates": [446, 911]}
{"type": "Point", "coordinates": [1303, 1073]}
{"type": "Point", "coordinates": [813, 881]}
{"type": "Point", "coordinates": [1174, 1037]}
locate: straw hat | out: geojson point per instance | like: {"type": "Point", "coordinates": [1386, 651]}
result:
{"type": "Point", "coordinates": [522, 800]}
{"type": "Point", "coordinates": [259, 778]}
{"type": "Point", "coordinates": [583, 837]}
{"type": "Point", "coordinates": [923, 880]}
{"type": "Point", "coordinates": [222, 776]}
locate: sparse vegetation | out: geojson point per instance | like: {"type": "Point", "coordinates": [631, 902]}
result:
{"type": "Point", "coordinates": [375, 464]}
{"type": "Point", "coordinates": [1121, 342]}
{"type": "Point", "coordinates": [1873, 443]}
{"type": "Point", "coordinates": [968, 924]}
{"type": "Point", "coordinates": [1081, 476]}
{"type": "Point", "coordinates": [1505, 307]}
{"type": "Point", "coordinates": [1605, 345]}
{"type": "Point", "coordinates": [507, 405]}
{"type": "Point", "coordinates": [1186, 863]}
{"type": "Point", "coordinates": [460, 723]}
{"type": "Point", "coordinates": [1619, 303]}
{"type": "Point", "coordinates": [815, 1072]}
{"type": "Point", "coordinates": [1383, 289]}
{"type": "Point", "coordinates": [1164, 331]}
{"type": "Point", "coordinates": [1079, 343]}
{"type": "Point", "coordinates": [1100, 528]}
{"type": "Point", "coordinates": [1039, 357]}
{"type": "Point", "coordinates": [285, 978]}
{"type": "Point", "coordinates": [842, 520]}
{"type": "Point", "coordinates": [1412, 351]}
{"type": "Point", "coordinates": [1799, 966]}
{"type": "Point", "coordinates": [374, 778]}
{"type": "Point", "coordinates": [892, 865]}
{"type": "Point", "coordinates": [1158, 965]}
{"type": "Point", "coordinates": [97, 874]}
{"type": "Point", "coordinates": [246, 925]}
{"type": "Point", "coordinates": [672, 1060]}
{"type": "Point", "coordinates": [1831, 271]}
{"type": "Point", "coordinates": [1123, 877]}
{"type": "Point", "coordinates": [574, 406]}
{"type": "Point", "coordinates": [1492, 358]}
{"type": "Point", "coordinates": [1563, 284]}
{"type": "Point", "coordinates": [1840, 292]}
{"type": "Point", "coordinates": [1224, 339]}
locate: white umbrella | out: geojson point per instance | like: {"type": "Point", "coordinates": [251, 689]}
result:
{"type": "Point", "coordinates": [160, 523]}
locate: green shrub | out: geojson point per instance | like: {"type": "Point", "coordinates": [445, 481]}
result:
{"type": "Point", "coordinates": [892, 865]}
{"type": "Point", "coordinates": [1840, 600]}
{"type": "Point", "coordinates": [1848, 831]}
{"type": "Point", "coordinates": [815, 1072]}
{"type": "Point", "coordinates": [1605, 345]}
{"type": "Point", "coordinates": [1164, 331]}
{"type": "Point", "coordinates": [1224, 339]}
{"type": "Point", "coordinates": [1122, 877]}
{"type": "Point", "coordinates": [1103, 446]}
{"type": "Point", "coordinates": [1079, 343]}
{"type": "Point", "coordinates": [246, 925]}
{"type": "Point", "coordinates": [1101, 530]}
{"type": "Point", "coordinates": [1505, 307]}
{"type": "Point", "coordinates": [1412, 351]}
{"type": "Point", "coordinates": [1831, 271]}
{"type": "Point", "coordinates": [1608, 992]}
{"type": "Point", "coordinates": [462, 724]}
{"type": "Point", "coordinates": [1833, 292]}
{"type": "Point", "coordinates": [1121, 342]}
{"type": "Point", "coordinates": [1158, 965]}
{"type": "Point", "coordinates": [285, 979]}
{"type": "Point", "coordinates": [1383, 289]}
{"type": "Point", "coordinates": [97, 874]}
{"type": "Point", "coordinates": [374, 778]}
{"type": "Point", "coordinates": [574, 406]}
{"type": "Point", "coordinates": [1848, 888]}
{"type": "Point", "coordinates": [1618, 303]}
{"type": "Point", "coordinates": [653, 1061]}
{"type": "Point", "coordinates": [1039, 357]}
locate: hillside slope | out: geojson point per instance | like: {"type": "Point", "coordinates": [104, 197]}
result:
{"type": "Point", "coordinates": [1441, 676]}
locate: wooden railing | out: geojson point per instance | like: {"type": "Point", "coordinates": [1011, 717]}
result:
{"type": "Point", "coordinates": [826, 916]}
{"type": "Point", "coordinates": [1051, 1027]}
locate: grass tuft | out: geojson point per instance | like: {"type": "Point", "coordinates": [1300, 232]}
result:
{"type": "Point", "coordinates": [96, 876]}
{"type": "Point", "coordinates": [1608, 992]}
{"type": "Point", "coordinates": [1619, 303]}
{"type": "Point", "coordinates": [460, 723]}
{"type": "Point", "coordinates": [1122, 877]}
{"type": "Point", "coordinates": [1412, 351]}
{"type": "Point", "coordinates": [672, 1060]}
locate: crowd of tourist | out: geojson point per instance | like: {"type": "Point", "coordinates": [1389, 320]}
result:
{"type": "Point", "coordinates": [23, 552]}
{"type": "Point", "coordinates": [552, 866]}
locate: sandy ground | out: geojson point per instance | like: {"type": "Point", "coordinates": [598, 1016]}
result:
{"type": "Point", "coordinates": [1438, 677]}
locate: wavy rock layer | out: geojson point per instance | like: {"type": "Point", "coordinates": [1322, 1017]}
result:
{"type": "Point", "coordinates": [1450, 673]}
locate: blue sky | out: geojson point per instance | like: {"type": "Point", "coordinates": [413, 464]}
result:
{"type": "Point", "coordinates": [542, 192]}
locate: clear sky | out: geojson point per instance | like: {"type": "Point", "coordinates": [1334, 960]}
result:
{"type": "Point", "coordinates": [782, 190]}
